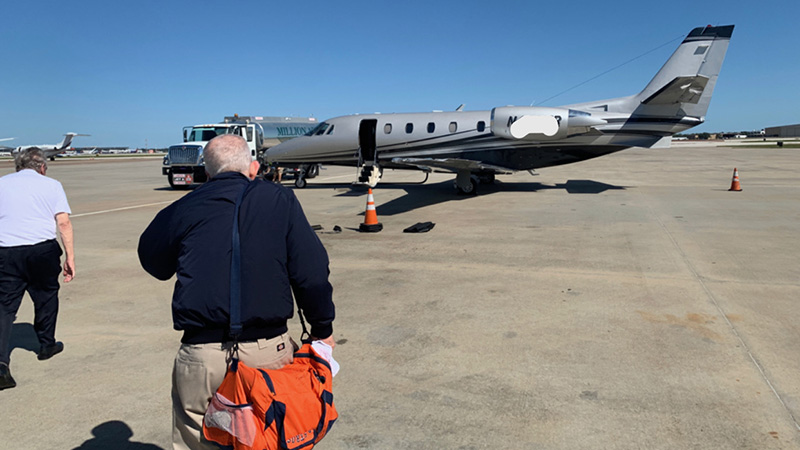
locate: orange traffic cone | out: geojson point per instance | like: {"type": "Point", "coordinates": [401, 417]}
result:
{"type": "Point", "coordinates": [371, 224]}
{"type": "Point", "coordinates": [735, 182]}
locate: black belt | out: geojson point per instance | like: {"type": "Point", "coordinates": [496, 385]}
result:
{"type": "Point", "coordinates": [207, 336]}
{"type": "Point", "coordinates": [38, 244]}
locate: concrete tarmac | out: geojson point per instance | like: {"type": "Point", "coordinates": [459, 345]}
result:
{"type": "Point", "coordinates": [627, 302]}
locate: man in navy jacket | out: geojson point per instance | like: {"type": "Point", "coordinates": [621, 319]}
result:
{"type": "Point", "coordinates": [280, 256]}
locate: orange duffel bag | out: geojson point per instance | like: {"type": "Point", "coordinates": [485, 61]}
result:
{"type": "Point", "coordinates": [288, 408]}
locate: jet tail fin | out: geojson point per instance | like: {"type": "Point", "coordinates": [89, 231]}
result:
{"type": "Point", "coordinates": [68, 140]}
{"type": "Point", "coordinates": [684, 85]}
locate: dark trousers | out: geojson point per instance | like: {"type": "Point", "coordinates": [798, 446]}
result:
{"type": "Point", "coordinates": [35, 269]}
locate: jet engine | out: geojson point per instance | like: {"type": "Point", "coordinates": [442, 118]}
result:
{"type": "Point", "coordinates": [536, 123]}
{"type": "Point", "coordinates": [529, 122]}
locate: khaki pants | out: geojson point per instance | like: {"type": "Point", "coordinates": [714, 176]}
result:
{"type": "Point", "coordinates": [198, 372]}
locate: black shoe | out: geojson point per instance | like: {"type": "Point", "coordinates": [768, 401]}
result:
{"type": "Point", "coordinates": [48, 351]}
{"type": "Point", "coordinates": [6, 380]}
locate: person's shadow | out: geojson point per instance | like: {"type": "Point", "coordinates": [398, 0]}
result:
{"type": "Point", "coordinates": [23, 336]}
{"type": "Point", "coordinates": [115, 435]}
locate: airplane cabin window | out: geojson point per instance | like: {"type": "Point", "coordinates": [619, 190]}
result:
{"type": "Point", "coordinates": [453, 127]}
{"type": "Point", "coordinates": [481, 126]}
{"type": "Point", "coordinates": [431, 127]}
{"type": "Point", "coordinates": [409, 128]}
{"type": "Point", "coordinates": [387, 128]}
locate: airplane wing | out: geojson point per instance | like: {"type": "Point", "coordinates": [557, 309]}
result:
{"type": "Point", "coordinates": [450, 165]}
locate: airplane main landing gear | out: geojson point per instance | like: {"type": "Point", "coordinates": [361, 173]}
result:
{"type": "Point", "coordinates": [466, 183]}
{"type": "Point", "coordinates": [311, 170]}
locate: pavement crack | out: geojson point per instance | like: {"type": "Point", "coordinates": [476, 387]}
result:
{"type": "Point", "coordinates": [724, 315]}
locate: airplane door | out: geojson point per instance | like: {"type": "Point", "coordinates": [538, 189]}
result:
{"type": "Point", "coordinates": [366, 141]}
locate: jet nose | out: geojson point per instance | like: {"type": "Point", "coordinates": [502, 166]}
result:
{"type": "Point", "coordinates": [279, 152]}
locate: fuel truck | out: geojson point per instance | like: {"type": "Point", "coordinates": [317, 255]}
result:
{"type": "Point", "coordinates": [183, 164]}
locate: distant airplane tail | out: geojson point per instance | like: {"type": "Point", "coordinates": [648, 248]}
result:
{"type": "Point", "coordinates": [684, 85]}
{"type": "Point", "coordinates": [68, 140]}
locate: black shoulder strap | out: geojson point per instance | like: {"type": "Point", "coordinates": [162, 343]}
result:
{"type": "Point", "coordinates": [236, 280]}
{"type": "Point", "coordinates": [236, 273]}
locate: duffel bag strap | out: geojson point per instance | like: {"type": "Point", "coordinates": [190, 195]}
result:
{"type": "Point", "coordinates": [236, 286]}
{"type": "Point", "coordinates": [305, 338]}
{"type": "Point", "coordinates": [235, 312]}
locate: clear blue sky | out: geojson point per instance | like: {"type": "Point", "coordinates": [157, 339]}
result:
{"type": "Point", "coordinates": [131, 73]}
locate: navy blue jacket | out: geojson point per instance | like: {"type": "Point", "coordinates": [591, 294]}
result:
{"type": "Point", "coordinates": [281, 255]}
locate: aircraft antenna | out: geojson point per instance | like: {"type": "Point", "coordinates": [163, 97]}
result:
{"type": "Point", "coordinates": [612, 69]}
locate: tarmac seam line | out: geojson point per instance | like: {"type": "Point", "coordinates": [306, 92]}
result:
{"type": "Point", "coordinates": [157, 203]}
{"type": "Point", "coordinates": [333, 178]}
{"type": "Point", "coordinates": [713, 299]}
{"type": "Point", "coordinates": [120, 209]}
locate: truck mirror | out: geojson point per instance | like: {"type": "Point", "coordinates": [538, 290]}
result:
{"type": "Point", "coordinates": [184, 135]}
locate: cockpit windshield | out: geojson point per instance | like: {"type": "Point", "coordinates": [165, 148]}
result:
{"type": "Point", "coordinates": [318, 130]}
{"type": "Point", "coordinates": [207, 133]}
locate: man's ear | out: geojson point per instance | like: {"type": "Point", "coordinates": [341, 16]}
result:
{"type": "Point", "coordinates": [253, 171]}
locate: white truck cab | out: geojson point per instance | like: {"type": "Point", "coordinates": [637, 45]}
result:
{"type": "Point", "coordinates": [184, 165]}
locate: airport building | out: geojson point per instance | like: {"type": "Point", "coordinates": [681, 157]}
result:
{"type": "Point", "coordinates": [783, 131]}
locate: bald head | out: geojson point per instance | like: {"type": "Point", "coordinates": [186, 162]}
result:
{"type": "Point", "coordinates": [228, 153]}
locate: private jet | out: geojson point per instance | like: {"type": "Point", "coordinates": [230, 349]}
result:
{"type": "Point", "coordinates": [51, 150]}
{"type": "Point", "coordinates": [478, 145]}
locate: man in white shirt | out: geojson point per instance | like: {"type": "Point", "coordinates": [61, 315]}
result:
{"type": "Point", "coordinates": [33, 209]}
